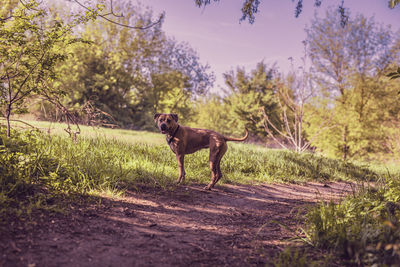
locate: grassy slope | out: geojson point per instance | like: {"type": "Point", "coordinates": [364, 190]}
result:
{"type": "Point", "coordinates": [36, 168]}
{"type": "Point", "coordinates": [107, 158]}
{"type": "Point", "coordinates": [108, 161]}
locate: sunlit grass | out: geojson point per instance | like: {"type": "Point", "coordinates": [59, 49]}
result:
{"type": "Point", "coordinates": [128, 136]}
{"type": "Point", "coordinates": [116, 156]}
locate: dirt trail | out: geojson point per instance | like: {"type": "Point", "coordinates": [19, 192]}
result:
{"type": "Point", "coordinates": [229, 226]}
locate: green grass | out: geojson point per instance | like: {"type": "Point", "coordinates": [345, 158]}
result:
{"type": "Point", "coordinates": [137, 156]}
{"type": "Point", "coordinates": [41, 168]}
{"type": "Point", "coordinates": [93, 132]}
{"type": "Point", "coordinates": [107, 159]}
{"type": "Point", "coordinates": [364, 228]}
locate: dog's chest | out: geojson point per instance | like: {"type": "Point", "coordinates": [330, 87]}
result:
{"type": "Point", "coordinates": [178, 146]}
{"type": "Point", "coordinates": [175, 145]}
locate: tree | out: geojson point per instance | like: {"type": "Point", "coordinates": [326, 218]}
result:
{"type": "Point", "coordinates": [181, 57]}
{"type": "Point", "coordinates": [350, 62]}
{"type": "Point", "coordinates": [294, 94]}
{"type": "Point", "coordinates": [95, 75]}
{"type": "Point", "coordinates": [131, 73]}
{"type": "Point", "coordinates": [250, 8]}
{"type": "Point", "coordinates": [213, 113]}
{"type": "Point", "coordinates": [247, 94]}
{"type": "Point", "coordinates": [30, 48]}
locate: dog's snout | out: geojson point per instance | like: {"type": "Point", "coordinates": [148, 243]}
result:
{"type": "Point", "coordinates": [163, 127]}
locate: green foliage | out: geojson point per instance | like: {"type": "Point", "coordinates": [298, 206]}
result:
{"type": "Point", "coordinates": [37, 167]}
{"type": "Point", "coordinates": [6, 6]}
{"type": "Point", "coordinates": [212, 113]}
{"type": "Point", "coordinates": [291, 258]}
{"type": "Point", "coordinates": [355, 99]}
{"type": "Point", "coordinates": [30, 48]}
{"type": "Point", "coordinates": [96, 76]}
{"type": "Point", "coordinates": [363, 228]}
{"type": "Point", "coordinates": [246, 95]}
{"type": "Point", "coordinates": [131, 74]}
{"type": "Point", "coordinates": [30, 177]}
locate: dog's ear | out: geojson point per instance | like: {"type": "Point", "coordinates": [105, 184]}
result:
{"type": "Point", "coordinates": [175, 117]}
{"type": "Point", "coordinates": [156, 116]}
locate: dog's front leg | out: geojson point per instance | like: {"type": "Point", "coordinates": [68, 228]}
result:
{"type": "Point", "coordinates": [181, 166]}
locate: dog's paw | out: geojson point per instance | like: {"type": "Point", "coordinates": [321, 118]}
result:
{"type": "Point", "coordinates": [179, 181]}
{"type": "Point", "coordinates": [207, 188]}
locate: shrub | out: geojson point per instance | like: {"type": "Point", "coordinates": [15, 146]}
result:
{"type": "Point", "coordinates": [364, 228]}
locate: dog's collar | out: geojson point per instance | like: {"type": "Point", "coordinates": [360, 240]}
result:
{"type": "Point", "coordinates": [169, 140]}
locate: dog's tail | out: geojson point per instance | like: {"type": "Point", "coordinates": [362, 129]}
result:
{"type": "Point", "coordinates": [238, 139]}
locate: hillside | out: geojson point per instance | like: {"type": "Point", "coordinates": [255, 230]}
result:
{"type": "Point", "coordinates": [109, 198]}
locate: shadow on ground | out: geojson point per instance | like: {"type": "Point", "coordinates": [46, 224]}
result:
{"type": "Point", "coordinates": [229, 226]}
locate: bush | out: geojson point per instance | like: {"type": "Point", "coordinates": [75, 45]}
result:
{"type": "Point", "coordinates": [364, 228]}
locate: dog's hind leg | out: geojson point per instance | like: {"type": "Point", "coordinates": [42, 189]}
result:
{"type": "Point", "coordinates": [216, 153]}
{"type": "Point", "coordinates": [214, 174]}
{"type": "Point", "coordinates": [220, 155]}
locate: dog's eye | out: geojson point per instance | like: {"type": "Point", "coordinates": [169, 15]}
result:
{"type": "Point", "coordinates": [168, 120]}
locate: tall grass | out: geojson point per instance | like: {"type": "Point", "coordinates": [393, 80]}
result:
{"type": "Point", "coordinates": [364, 228]}
{"type": "Point", "coordinates": [36, 168]}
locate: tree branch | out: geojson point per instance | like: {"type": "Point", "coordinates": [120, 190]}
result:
{"type": "Point", "coordinates": [103, 16]}
{"type": "Point", "coordinates": [16, 98]}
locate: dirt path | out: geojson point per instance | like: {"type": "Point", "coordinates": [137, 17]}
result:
{"type": "Point", "coordinates": [229, 226]}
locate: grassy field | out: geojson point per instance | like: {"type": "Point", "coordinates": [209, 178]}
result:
{"type": "Point", "coordinates": [114, 158]}
{"type": "Point", "coordinates": [41, 165]}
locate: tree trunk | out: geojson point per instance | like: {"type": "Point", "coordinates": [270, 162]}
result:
{"type": "Point", "coordinates": [8, 113]}
{"type": "Point", "coordinates": [345, 146]}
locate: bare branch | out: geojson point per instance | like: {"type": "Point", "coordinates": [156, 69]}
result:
{"type": "Point", "coordinates": [5, 19]}
{"type": "Point", "coordinates": [69, 117]}
{"type": "Point", "coordinates": [271, 124]}
{"type": "Point", "coordinates": [270, 133]}
{"type": "Point", "coordinates": [103, 16]}
{"type": "Point", "coordinates": [16, 98]}
{"type": "Point", "coordinates": [112, 11]}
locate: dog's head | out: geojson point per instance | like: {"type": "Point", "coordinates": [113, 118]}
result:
{"type": "Point", "coordinates": [167, 123]}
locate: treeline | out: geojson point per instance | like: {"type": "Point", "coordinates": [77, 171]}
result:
{"type": "Point", "coordinates": [340, 101]}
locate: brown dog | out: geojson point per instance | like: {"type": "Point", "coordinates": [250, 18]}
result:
{"type": "Point", "coordinates": [185, 140]}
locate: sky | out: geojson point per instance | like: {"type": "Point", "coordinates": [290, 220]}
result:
{"type": "Point", "coordinates": [225, 43]}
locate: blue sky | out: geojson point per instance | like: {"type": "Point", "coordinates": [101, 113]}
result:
{"type": "Point", "coordinates": [224, 43]}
